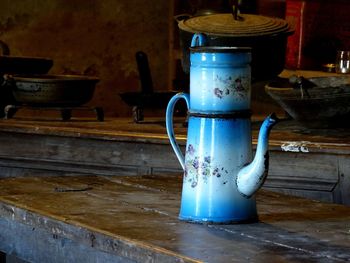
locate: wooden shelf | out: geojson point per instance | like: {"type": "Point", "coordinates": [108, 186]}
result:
{"type": "Point", "coordinates": [303, 162]}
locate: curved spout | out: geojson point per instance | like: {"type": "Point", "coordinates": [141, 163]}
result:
{"type": "Point", "coordinates": [252, 176]}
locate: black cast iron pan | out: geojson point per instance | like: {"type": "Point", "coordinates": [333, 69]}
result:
{"type": "Point", "coordinates": [21, 64]}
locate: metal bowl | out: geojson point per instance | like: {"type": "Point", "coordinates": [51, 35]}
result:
{"type": "Point", "coordinates": [326, 103]}
{"type": "Point", "coordinates": [52, 90]}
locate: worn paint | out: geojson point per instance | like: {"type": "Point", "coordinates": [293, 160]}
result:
{"type": "Point", "coordinates": [301, 146]}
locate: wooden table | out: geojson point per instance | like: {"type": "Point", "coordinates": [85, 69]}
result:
{"type": "Point", "coordinates": [134, 219]}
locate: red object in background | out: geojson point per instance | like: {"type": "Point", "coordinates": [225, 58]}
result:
{"type": "Point", "coordinates": [321, 28]}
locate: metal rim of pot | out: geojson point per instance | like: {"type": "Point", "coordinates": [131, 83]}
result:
{"type": "Point", "coordinates": [51, 78]}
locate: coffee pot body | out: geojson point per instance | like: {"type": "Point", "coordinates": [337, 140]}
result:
{"type": "Point", "coordinates": [220, 174]}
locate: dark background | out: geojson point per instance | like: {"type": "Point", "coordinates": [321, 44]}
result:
{"type": "Point", "coordinates": [101, 38]}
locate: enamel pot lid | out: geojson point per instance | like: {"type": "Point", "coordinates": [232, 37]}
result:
{"type": "Point", "coordinates": [243, 25]}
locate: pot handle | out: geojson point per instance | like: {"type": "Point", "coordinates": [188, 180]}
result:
{"type": "Point", "coordinates": [235, 11]}
{"type": "Point", "coordinates": [181, 17]}
{"type": "Point", "coordinates": [170, 126]}
{"type": "Point", "coordinates": [199, 40]}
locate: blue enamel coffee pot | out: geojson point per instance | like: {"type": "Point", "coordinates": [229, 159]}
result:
{"type": "Point", "coordinates": [220, 175]}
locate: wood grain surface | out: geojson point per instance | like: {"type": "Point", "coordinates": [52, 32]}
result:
{"type": "Point", "coordinates": [136, 218]}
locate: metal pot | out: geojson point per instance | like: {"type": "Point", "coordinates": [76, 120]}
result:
{"type": "Point", "coordinates": [51, 90]}
{"type": "Point", "coordinates": [18, 65]}
{"type": "Point", "coordinates": [265, 35]}
{"type": "Point", "coordinates": [317, 102]}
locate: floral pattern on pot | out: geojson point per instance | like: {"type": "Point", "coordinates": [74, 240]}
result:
{"type": "Point", "coordinates": [231, 86]}
{"type": "Point", "coordinates": [196, 167]}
